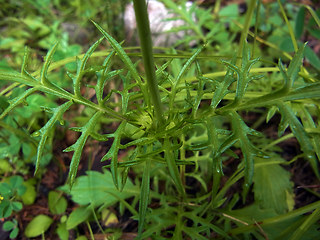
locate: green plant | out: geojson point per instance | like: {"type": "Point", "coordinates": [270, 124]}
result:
{"type": "Point", "coordinates": [183, 126]}
{"type": "Point", "coordinates": [9, 192]}
{"type": "Point", "coordinates": [12, 227]}
{"type": "Point", "coordinates": [40, 224]}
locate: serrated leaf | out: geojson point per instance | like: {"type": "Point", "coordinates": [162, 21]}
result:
{"type": "Point", "coordinates": [294, 67]}
{"type": "Point", "coordinates": [187, 65]}
{"type": "Point", "coordinates": [100, 84]}
{"type": "Point", "coordinates": [45, 130]}
{"type": "Point", "coordinates": [272, 186]}
{"type": "Point", "coordinates": [249, 151]}
{"type": "Point", "coordinates": [308, 122]}
{"type": "Point", "coordinates": [47, 60]}
{"type": "Point", "coordinates": [289, 117]}
{"type": "Point", "coordinates": [95, 189]}
{"type": "Point", "coordinates": [222, 88]}
{"type": "Point", "coordinates": [38, 226]}
{"type": "Point", "coordinates": [113, 153]}
{"type": "Point", "coordinates": [103, 76]}
{"type": "Point", "coordinates": [81, 67]}
{"type": "Point", "coordinates": [77, 147]}
{"type": "Point", "coordinates": [99, 137]}
{"type": "Point", "coordinates": [16, 101]}
{"type": "Point", "coordinates": [122, 54]}
{"type": "Point", "coordinates": [141, 141]}
{"type": "Point", "coordinates": [76, 129]}
{"type": "Point", "coordinates": [25, 60]}
{"type": "Point", "coordinates": [243, 76]}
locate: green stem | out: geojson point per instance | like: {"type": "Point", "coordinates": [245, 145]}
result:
{"type": "Point", "coordinates": [245, 30]}
{"type": "Point", "coordinates": [142, 20]}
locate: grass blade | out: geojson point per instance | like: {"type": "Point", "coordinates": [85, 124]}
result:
{"type": "Point", "coordinates": [144, 196]}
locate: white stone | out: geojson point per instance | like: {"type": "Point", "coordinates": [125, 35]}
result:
{"type": "Point", "coordinates": [159, 25]}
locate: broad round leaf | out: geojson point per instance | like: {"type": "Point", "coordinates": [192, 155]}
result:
{"type": "Point", "coordinates": [37, 226]}
{"type": "Point", "coordinates": [30, 194]}
{"type": "Point", "coordinates": [78, 216]}
{"type": "Point", "coordinates": [16, 206]}
{"type": "Point", "coordinates": [57, 203]}
{"type": "Point", "coordinates": [14, 233]}
{"type": "Point", "coordinates": [8, 225]}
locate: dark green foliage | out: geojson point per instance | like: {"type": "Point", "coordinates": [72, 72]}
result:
{"type": "Point", "coordinates": [180, 124]}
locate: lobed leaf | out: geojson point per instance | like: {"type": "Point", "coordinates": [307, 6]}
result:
{"type": "Point", "coordinates": [289, 118]}
{"type": "Point", "coordinates": [16, 101]}
{"type": "Point", "coordinates": [47, 60]}
{"type": "Point", "coordinates": [101, 82]}
{"type": "Point", "coordinates": [77, 147]}
{"type": "Point", "coordinates": [81, 64]}
{"type": "Point", "coordinates": [249, 151]}
{"type": "Point", "coordinates": [223, 87]}
{"type": "Point", "coordinates": [122, 54]}
{"type": "Point", "coordinates": [187, 65]}
{"type": "Point", "coordinates": [113, 152]}
{"type": "Point", "coordinates": [96, 189]}
{"type": "Point", "coordinates": [45, 130]}
{"type": "Point", "coordinates": [294, 67]}
{"type": "Point", "coordinates": [309, 123]}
